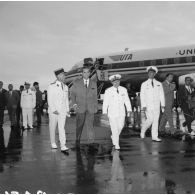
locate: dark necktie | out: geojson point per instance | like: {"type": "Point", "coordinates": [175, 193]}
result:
{"type": "Point", "coordinates": [152, 83]}
{"type": "Point", "coordinates": [86, 83]}
{"type": "Point", "coordinates": [117, 90]}
{"type": "Point", "coordinates": [27, 90]}
{"type": "Point", "coordinates": [189, 89]}
{"type": "Point", "coordinates": [62, 86]}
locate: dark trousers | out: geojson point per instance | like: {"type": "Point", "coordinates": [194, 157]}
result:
{"type": "Point", "coordinates": [38, 113]}
{"type": "Point", "coordinates": [18, 114]}
{"type": "Point", "coordinates": [189, 117]}
{"type": "Point", "coordinates": [12, 115]}
{"type": "Point", "coordinates": [2, 144]}
{"type": "Point", "coordinates": [1, 117]}
{"type": "Point", "coordinates": [85, 119]}
{"type": "Point", "coordinates": [166, 116]}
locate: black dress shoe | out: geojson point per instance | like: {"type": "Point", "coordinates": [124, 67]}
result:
{"type": "Point", "coordinates": [184, 124]}
{"type": "Point", "coordinates": [65, 152]}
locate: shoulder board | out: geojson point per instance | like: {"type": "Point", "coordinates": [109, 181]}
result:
{"type": "Point", "coordinates": [53, 83]}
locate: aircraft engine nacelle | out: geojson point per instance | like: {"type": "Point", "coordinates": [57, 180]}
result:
{"type": "Point", "coordinates": [182, 79]}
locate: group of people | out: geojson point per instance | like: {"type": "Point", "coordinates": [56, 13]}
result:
{"type": "Point", "coordinates": [83, 97]}
{"type": "Point", "coordinates": [156, 100]}
{"type": "Point", "coordinates": [21, 104]}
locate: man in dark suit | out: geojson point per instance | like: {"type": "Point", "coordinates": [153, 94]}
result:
{"type": "Point", "coordinates": [38, 102]}
{"type": "Point", "coordinates": [2, 108]}
{"type": "Point", "coordinates": [2, 103]}
{"type": "Point", "coordinates": [12, 99]}
{"type": "Point", "coordinates": [19, 109]}
{"type": "Point", "coordinates": [84, 100]}
{"type": "Point", "coordinates": [184, 93]}
{"type": "Point", "coordinates": [168, 88]}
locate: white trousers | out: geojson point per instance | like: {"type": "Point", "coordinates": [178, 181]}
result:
{"type": "Point", "coordinates": [27, 114]}
{"type": "Point", "coordinates": [59, 120]}
{"type": "Point", "coordinates": [116, 125]}
{"type": "Point", "coordinates": [152, 119]}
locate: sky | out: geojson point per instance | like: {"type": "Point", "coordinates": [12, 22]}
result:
{"type": "Point", "coordinates": [37, 38]}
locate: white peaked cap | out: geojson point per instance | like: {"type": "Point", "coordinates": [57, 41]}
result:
{"type": "Point", "coordinates": [115, 77]}
{"type": "Point", "coordinates": [154, 68]}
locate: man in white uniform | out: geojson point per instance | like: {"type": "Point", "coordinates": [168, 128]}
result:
{"type": "Point", "coordinates": [28, 102]}
{"type": "Point", "coordinates": [152, 99]}
{"type": "Point", "coordinates": [115, 100]}
{"type": "Point", "coordinates": [58, 102]}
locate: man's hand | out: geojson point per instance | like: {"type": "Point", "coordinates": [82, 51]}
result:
{"type": "Point", "coordinates": [75, 106]}
{"type": "Point", "coordinates": [163, 109]}
{"type": "Point", "coordinates": [172, 86]}
{"type": "Point", "coordinates": [68, 114]}
{"type": "Point", "coordinates": [129, 114]}
{"type": "Point", "coordinates": [56, 112]}
{"type": "Point", "coordinates": [144, 109]}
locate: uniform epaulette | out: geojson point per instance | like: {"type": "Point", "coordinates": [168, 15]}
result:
{"type": "Point", "coordinates": [53, 83]}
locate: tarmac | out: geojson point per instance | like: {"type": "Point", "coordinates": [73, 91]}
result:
{"type": "Point", "coordinates": [29, 165]}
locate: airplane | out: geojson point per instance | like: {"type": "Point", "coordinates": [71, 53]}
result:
{"type": "Point", "coordinates": [132, 65]}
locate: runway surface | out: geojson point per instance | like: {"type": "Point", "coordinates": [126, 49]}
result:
{"type": "Point", "coordinates": [142, 166]}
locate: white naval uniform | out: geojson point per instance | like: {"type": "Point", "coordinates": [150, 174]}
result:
{"type": "Point", "coordinates": [28, 102]}
{"type": "Point", "coordinates": [114, 106]}
{"type": "Point", "coordinates": [152, 98]}
{"type": "Point", "coordinates": [58, 100]}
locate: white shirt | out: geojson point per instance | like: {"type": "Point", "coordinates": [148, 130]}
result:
{"type": "Point", "coordinates": [114, 103]}
{"type": "Point", "coordinates": [152, 97]}
{"type": "Point", "coordinates": [28, 99]}
{"type": "Point", "coordinates": [58, 98]}
{"type": "Point", "coordinates": [86, 80]}
{"type": "Point", "coordinates": [188, 88]}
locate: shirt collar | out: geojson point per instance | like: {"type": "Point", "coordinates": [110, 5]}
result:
{"type": "Point", "coordinates": [168, 82]}
{"type": "Point", "coordinates": [187, 86]}
{"type": "Point", "coordinates": [86, 80]}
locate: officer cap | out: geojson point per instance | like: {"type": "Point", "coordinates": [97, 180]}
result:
{"type": "Point", "coordinates": [26, 83]}
{"type": "Point", "coordinates": [88, 61]}
{"type": "Point", "coordinates": [35, 83]}
{"type": "Point", "coordinates": [152, 68]}
{"type": "Point", "coordinates": [115, 77]}
{"type": "Point", "coordinates": [59, 71]}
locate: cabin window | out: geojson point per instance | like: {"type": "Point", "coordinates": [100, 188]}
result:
{"type": "Point", "coordinates": [176, 60]}
{"type": "Point", "coordinates": [158, 62]}
{"type": "Point", "coordinates": [109, 66]}
{"type": "Point", "coordinates": [193, 58]}
{"type": "Point", "coordinates": [183, 60]}
{"type": "Point", "coordinates": [189, 59]}
{"type": "Point", "coordinates": [153, 62]}
{"type": "Point", "coordinates": [141, 63]}
{"type": "Point", "coordinates": [164, 61]}
{"type": "Point", "coordinates": [133, 64]}
{"type": "Point", "coordinates": [170, 61]}
{"type": "Point", "coordinates": [147, 63]}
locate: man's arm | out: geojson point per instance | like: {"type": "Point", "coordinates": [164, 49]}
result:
{"type": "Point", "coordinates": [73, 95]}
{"type": "Point", "coordinates": [96, 97]}
{"type": "Point", "coordinates": [127, 102]}
{"type": "Point", "coordinates": [162, 97]}
{"type": "Point", "coordinates": [50, 99]}
{"type": "Point", "coordinates": [142, 97]}
{"type": "Point", "coordinates": [67, 100]}
{"type": "Point", "coordinates": [105, 103]}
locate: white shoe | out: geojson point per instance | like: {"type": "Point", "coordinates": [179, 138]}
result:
{"type": "Point", "coordinates": [64, 148]}
{"type": "Point", "coordinates": [54, 146]}
{"type": "Point", "coordinates": [157, 140]}
{"type": "Point", "coordinates": [117, 147]}
{"type": "Point", "coordinates": [142, 135]}
{"type": "Point", "coordinates": [192, 133]}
